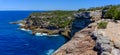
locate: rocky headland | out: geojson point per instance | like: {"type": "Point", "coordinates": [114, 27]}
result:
{"type": "Point", "coordinates": [50, 22]}
{"type": "Point", "coordinates": [90, 32]}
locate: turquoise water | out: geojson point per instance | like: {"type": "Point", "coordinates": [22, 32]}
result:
{"type": "Point", "coordinates": [13, 41]}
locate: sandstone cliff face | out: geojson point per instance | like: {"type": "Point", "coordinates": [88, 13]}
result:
{"type": "Point", "coordinates": [80, 44]}
{"type": "Point", "coordinates": [83, 19]}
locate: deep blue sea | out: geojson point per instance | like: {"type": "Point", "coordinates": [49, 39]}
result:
{"type": "Point", "coordinates": [14, 41]}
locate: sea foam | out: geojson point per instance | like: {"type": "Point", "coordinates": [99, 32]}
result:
{"type": "Point", "coordinates": [20, 24]}
{"type": "Point", "coordinates": [41, 34]}
{"type": "Point", "coordinates": [50, 51]}
{"type": "Point", "coordinates": [23, 29]}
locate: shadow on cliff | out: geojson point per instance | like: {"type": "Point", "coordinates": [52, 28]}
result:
{"type": "Point", "coordinates": [81, 21]}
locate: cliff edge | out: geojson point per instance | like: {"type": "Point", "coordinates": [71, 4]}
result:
{"type": "Point", "coordinates": [80, 44]}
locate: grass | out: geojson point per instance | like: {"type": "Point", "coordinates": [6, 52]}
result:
{"type": "Point", "coordinates": [102, 25]}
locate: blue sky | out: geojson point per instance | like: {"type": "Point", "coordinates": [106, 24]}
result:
{"type": "Point", "coordinates": [53, 4]}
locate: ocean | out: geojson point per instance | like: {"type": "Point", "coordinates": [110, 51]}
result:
{"type": "Point", "coordinates": [14, 41]}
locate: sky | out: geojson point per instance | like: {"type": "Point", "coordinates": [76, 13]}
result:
{"type": "Point", "coordinates": [53, 4]}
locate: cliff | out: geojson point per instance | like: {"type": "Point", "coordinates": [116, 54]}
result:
{"type": "Point", "coordinates": [80, 44]}
{"type": "Point", "coordinates": [100, 37]}
{"type": "Point", "coordinates": [88, 32]}
{"type": "Point", "coordinates": [66, 23]}
{"type": "Point", "coordinates": [50, 22]}
{"type": "Point", "coordinates": [78, 27]}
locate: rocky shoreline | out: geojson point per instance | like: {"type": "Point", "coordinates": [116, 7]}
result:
{"type": "Point", "coordinates": [78, 21]}
{"type": "Point", "coordinates": [88, 32]}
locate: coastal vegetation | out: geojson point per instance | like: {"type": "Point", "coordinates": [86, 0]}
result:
{"type": "Point", "coordinates": [58, 19]}
{"type": "Point", "coordinates": [61, 22]}
{"type": "Point", "coordinates": [50, 22]}
{"type": "Point", "coordinates": [113, 12]}
{"type": "Point", "coordinates": [102, 25]}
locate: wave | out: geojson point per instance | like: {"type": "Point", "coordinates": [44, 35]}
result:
{"type": "Point", "coordinates": [44, 34]}
{"type": "Point", "coordinates": [37, 34]}
{"type": "Point", "coordinates": [54, 35]}
{"type": "Point", "coordinates": [23, 29]}
{"type": "Point", "coordinates": [41, 34]}
{"type": "Point", "coordinates": [26, 30]}
{"type": "Point", "coordinates": [50, 51]}
{"type": "Point", "coordinates": [21, 24]}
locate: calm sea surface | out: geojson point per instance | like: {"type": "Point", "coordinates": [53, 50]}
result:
{"type": "Point", "coordinates": [13, 41]}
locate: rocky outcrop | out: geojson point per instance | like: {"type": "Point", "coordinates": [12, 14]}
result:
{"type": "Point", "coordinates": [107, 40]}
{"type": "Point", "coordinates": [85, 15]}
{"type": "Point", "coordinates": [80, 44]}
{"type": "Point", "coordinates": [96, 15]}
{"type": "Point", "coordinates": [51, 22]}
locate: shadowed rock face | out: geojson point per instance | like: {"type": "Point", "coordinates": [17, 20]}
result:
{"type": "Point", "coordinates": [85, 15]}
{"type": "Point", "coordinates": [79, 24]}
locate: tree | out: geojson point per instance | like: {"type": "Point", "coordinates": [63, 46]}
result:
{"type": "Point", "coordinates": [117, 15]}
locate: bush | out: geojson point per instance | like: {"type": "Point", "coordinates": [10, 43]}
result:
{"type": "Point", "coordinates": [117, 15]}
{"type": "Point", "coordinates": [102, 25]}
{"type": "Point", "coordinates": [113, 13]}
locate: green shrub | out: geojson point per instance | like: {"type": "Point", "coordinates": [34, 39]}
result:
{"type": "Point", "coordinates": [113, 13]}
{"type": "Point", "coordinates": [102, 25]}
{"type": "Point", "coordinates": [117, 15]}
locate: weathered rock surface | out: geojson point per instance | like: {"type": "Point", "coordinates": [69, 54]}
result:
{"type": "Point", "coordinates": [80, 44]}
{"type": "Point", "coordinates": [96, 15]}
{"type": "Point", "coordinates": [82, 15]}
{"type": "Point", "coordinates": [108, 40]}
